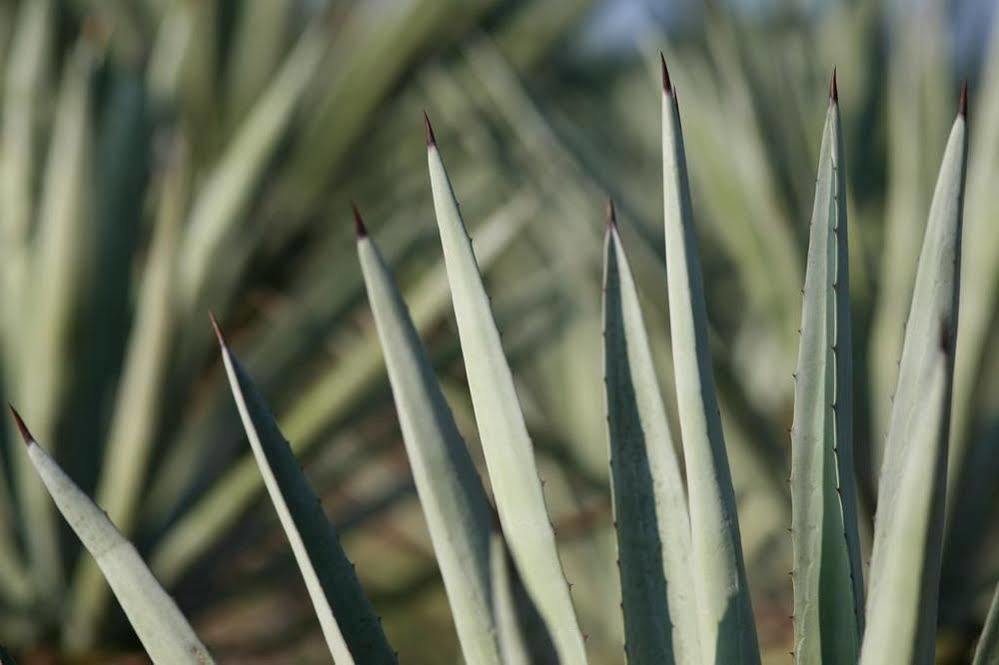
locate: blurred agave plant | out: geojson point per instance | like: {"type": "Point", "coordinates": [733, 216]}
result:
{"type": "Point", "coordinates": [685, 597]}
{"type": "Point", "coordinates": [236, 144]}
{"type": "Point", "coordinates": [159, 157]}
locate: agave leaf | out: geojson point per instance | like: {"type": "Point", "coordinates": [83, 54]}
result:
{"type": "Point", "coordinates": [25, 85]}
{"type": "Point", "coordinates": [353, 633]}
{"type": "Point", "coordinates": [327, 289]}
{"type": "Point", "coordinates": [59, 270]}
{"type": "Point", "coordinates": [513, 646]}
{"type": "Point", "coordinates": [828, 577]}
{"type": "Point", "coordinates": [133, 425]}
{"type": "Point", "coordinates": [987, 650]}
{"type": "Point", "coordinates": [169, 51]}
{"type": "Point", "coordinates": [164, 632]}
{"type": "Point", "coordinates": [905, 568]}
{"type": "Point", "coordinates": [905, 563]}
{"type": "Point", "coordinates": [322, 403]}
{"type": "Point", "coordinates": [451, 493]}
{"type": "Point", "coordinates": [725, 615]}
{"type": "Point", "coordinates": [259, 38]}
{"type": "Point", "coordinates": [523, 637]}
{"type": "Point", "coordinates": [917, 69]}
{"type": "Point", "coordinates": [650, 504]}
{"type": "Point", "coordinates": [220, 204]}
{"type": "Point", "coordinates": [505, 442]}
{"type": "Point", "coordinates": [980, 271]}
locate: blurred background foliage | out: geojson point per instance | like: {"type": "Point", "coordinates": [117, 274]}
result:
{"type": "Point", "coordinates": [160, 158]}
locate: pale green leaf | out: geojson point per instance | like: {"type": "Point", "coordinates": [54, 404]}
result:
{"type": "Point", "coordinates": [325, 401]}
{"type": "Point", "coordinates": [979, 270]}
{"type": "Point", "coordinates": [905, 563]}
{"type": "Point", "coordinates": [523, 637]}
{"type": "Point", "coordinates": [221, 202]}
{"type": "Point", "coordinates": [25, 86]}
{"type": "Point", "coordinates": [59, 271]}
{"type": "Point", "coordinates": [352, 630]}
{"type": "Point", "coordinates": [725, 615]}
{"type": "Point", "coordinates": [505, 441]}
{"type": "Point", "coordinates": [451, 493]}
{"type": "Point", "coordinates": [828, 576]}
{"type": "Point", "coordinates": [133, 427]}
{"type": "Point", "coordinates": [987, 650]}
{"type": "Point", "coordinates": [650, 504]}
{"type": "Point", "coordinates": [164, 632]}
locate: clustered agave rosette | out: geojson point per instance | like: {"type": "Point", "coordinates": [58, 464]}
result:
{"type": "Point", "coordinates": [684, 592]}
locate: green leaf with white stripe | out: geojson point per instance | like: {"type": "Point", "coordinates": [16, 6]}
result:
{"type": "Point", "coordinates": [505, 441]}
{"type": "Point", "coordinates": [725, 615]}
{"type": "Point", "coordinates": [451, 493]}
{"type": "Point", "coordinates": [908, 535]}
{"type": "Point", "coordinates": [164, 632]}
{"type": "Point", "coordinates": [353, 632]}
{"type": "Point", "coordinates": [828, 577]}
{"type": "Point", "coordinates": [987, 650]}
{"type": "Point", "coordinates": [650, 504]}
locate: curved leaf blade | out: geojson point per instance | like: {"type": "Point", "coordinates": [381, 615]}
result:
{"type": "Point", "coordinates": [725, 614]}
{"type": "Point", "coordinates": [908, 534]}
{"type": "Point", "coordinates": [650, 504]}
{"type": "Point", "coordinates": [164, 632]}
{"type": "Point", "coordinates": [987, 650]}
{"type": "Point", "coordinates": [352, 630]}
{"type": "Point", "coordinates": [505, 441]}
{"type": "Point", "coordinates": [828, 574]}
{"type": "Point", "coordinates": [451, 493]}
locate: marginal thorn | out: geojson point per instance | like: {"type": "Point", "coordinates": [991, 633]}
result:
{"type": "Point", "coordinates": [21, 427]}
{"type": "Point", "coordinates": [962, 107]}
{"type": "Point", "coordinates": [217, 329]}
{"type": "Point", "coordinates": [362, 232]}
{"type": "Point", "coordinates": [667, 84]}
{"type": "Point", "coordinates": [431, 141]}
{"type": "Point", "coordinates": [833, 89]}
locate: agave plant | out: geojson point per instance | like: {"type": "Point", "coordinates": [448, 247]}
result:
{"type": "Point", "coordinates": [160, 157]}
{"type": "Point", "coordinates": [685, 597]}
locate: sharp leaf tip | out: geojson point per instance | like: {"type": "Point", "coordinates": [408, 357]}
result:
{"type": "Point", "coordinates": [21, 427]}
{"type": "Point", "coordinates": [833, 88]}
{"type": "Point", "coordinates": [362, 231]}
{"type": "Point", "coordinates": [611, 214]}
{"type": "Point", "coordinates": [431, 139]}
{"type": "Point", "coordinates": [962, 107]}
{"type": "Point", "coordinates": [217, 329]}
{"type": "Point", "coordinates": [667, 84]}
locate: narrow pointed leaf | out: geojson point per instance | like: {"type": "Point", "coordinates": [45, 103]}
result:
{"type": "Point", "coordinates": [505, 441]}
{"type": "Point", "coordinates": [905, 563]}
{"type": "Point", "coordinates": [725, 616]}
{"type": "Point", "coordinates": [133, 427]}
{"type": "Point", "coordinates": [25, 85]}
{"type": "Point", "coordinates": [323, 402]}
{"type": "Point", "coordinates": [905, 570]}
{"type": "Point", "coordinates": [164, 632]}
{"type": "Point", "coordinates": [523, 637]}
{"type": "Point", "coordinates": [987, 650]}
{"type": "Point", "coordinates": [221, 202]}
{"type": "Point", "coordinates": [352, 630]}
{"type": "Point", "coordinates": [650, 504]}
{"type": "Point", "coordinates": [59, 270]}
{"type": "Point", "coordinates": [451, 493]}
{"type": "Point", "coordinates": [828, 577]}
{"type": "Point", "coordinates": [512, 643]}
